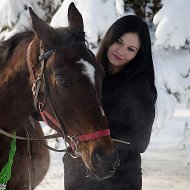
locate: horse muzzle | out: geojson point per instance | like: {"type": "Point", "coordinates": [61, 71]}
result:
{"type": "Point", "coordinates": [103, 164]}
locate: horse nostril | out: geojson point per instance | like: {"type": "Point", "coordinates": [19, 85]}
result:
{"type": "Point", "coordinates": [104, 164]}
{"type": "Point", "coordinates": [98, 156]}
{"type": "Point", "coordinates": [100, 159]}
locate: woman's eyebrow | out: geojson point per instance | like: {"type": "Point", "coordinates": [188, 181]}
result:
{"type": "Point", "coordinates": [120, 39]}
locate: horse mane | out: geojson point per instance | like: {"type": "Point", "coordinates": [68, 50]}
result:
{"type": "Point", "coordinates": [64, 37]}
{"type": "Point", "coordinates": [7, 47]}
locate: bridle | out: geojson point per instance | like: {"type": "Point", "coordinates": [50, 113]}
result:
{"type": "Point", "coordinates": [72, 140]}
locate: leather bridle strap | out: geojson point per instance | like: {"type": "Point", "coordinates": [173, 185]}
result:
{"type": "Point", "coordinates": [80, 138]}
{"type": "Point", "coordinates": [75, 140]}
{"type": "Point", "coordinates": [45, 114]}
{"type": "Point", "coordinates": [28, 61]}
{"type": "Point", "coordinates": [53, 136]}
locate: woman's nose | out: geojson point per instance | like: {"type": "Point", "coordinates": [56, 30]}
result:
{"type": "Point", "coordinates": [122, 51]}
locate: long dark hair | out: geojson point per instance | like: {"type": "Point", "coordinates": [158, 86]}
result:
{"type": "Point", "coordinates": [142, 63]}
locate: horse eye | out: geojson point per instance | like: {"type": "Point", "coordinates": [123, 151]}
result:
{"type": "Point", "coordinates": [62, 81]}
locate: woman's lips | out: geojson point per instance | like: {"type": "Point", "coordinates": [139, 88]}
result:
{"type": "Point", "coordinates": [116, 57]}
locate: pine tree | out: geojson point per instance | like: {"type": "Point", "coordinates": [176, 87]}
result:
{"type": "Point", "coordinates": [143, 8]}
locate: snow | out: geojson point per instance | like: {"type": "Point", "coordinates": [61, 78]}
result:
{"type": "Point", "coordinates": [173, 28]}
{"type": "Point", "coordinates": [94, 26]}
{"type": "Point", "coordinates": [165, 163]}
{"type": "Point", "coordinates": [15, 17]}
{"type": "Point", "coordinates": [172, 78]}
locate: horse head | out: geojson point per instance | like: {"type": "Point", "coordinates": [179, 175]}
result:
{"type": "Point", "coordinates": [71, 82]}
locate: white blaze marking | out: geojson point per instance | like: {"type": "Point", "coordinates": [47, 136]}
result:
{"type": "Point", "coordinates": [88, 70]}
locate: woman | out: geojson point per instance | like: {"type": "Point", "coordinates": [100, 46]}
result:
{"type": "Point", "coordinates": [129, 97]}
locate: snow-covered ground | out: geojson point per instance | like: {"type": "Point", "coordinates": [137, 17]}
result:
{"type": "Point", "coordinates": [164, 162]}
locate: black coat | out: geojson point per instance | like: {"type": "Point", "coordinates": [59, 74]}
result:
{"type": "Point", "coordinates": [129, 108]}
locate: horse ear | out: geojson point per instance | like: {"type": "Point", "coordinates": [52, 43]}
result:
{"type": "Point", "coordinates": [40, 28]}
{"type": "Point", "coordinates": [75, 18]}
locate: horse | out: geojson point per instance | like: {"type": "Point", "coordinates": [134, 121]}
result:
{"type": "Point", "coordinates": [50, 74]}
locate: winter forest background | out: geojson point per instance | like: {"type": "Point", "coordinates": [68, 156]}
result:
{"type": "Point", "coordinates": [169, 26]}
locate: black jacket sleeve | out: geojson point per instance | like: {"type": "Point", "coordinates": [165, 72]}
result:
{"type": "Point", "coordinates": [134, 116]}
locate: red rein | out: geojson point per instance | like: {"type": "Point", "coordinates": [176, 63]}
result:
{"type": "Point", "coordinates": [81, 138]}
{"type": "Point", "coordinates": [95, 135]}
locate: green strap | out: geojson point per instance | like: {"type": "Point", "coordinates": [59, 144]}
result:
{"type": "Point", "coordinates": [5, 173]}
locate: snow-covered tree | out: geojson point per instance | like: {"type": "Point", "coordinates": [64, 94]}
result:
{"type": "Point", "coordinates": [96, 19]}
{"type": "Point", "coordinates": [144, 8]}
{"type": "Point", "coordinates": [173, 28]}
{"type": "Point", "coordinates": [173, 35]}
{"type": "Point", "coordinates": [15, 17]}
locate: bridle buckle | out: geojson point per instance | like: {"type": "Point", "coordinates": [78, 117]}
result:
{"type": "Point", "coordinates": [74, 146]}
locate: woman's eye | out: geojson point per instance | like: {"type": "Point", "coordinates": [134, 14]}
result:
{"type": "Point", "coordinates": [62, 81]}
{"type": "Point", "coordinates": [130, 49]}
{"type": "Point", "coordinates": [118, 41]}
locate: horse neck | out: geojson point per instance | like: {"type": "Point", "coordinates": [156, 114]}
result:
{"type": "Point", "coordinates": [16, 102]}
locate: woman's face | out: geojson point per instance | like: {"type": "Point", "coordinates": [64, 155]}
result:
{"type": "Point", "coordinates": [123, 51]}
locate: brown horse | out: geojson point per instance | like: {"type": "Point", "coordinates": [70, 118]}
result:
{"type": "Point", "coordinates": [51, 74]}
